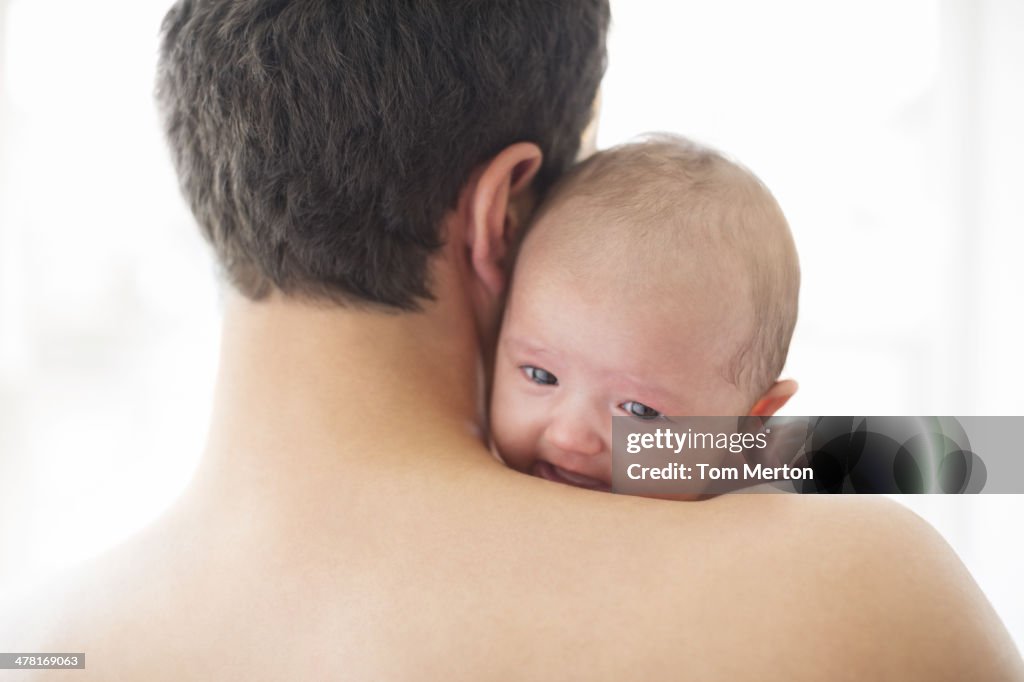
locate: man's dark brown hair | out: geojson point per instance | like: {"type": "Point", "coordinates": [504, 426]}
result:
{"type": "Point", "coordinates": [319, 142]}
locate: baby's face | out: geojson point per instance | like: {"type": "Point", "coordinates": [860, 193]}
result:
{"type": "Point", "coordinates": [575, 352]}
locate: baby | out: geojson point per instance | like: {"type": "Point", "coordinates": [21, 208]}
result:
{"type": "Point", "coordinates": [659, 278]}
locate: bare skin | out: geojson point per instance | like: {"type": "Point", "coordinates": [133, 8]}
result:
{"type": "Point", "coordinates": [348, 522]}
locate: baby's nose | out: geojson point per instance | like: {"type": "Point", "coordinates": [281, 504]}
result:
{"type": "Point", "coordinates": [576, 434]}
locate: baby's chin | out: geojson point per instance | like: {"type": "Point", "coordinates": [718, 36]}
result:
{"type": "Point", "coordinates": [548, 471]}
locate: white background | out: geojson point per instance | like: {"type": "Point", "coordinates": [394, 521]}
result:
{"type": "Point", "coordinates": [889, 131]}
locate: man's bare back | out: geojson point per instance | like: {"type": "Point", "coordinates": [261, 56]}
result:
{"type": "Point", "coordinates": [323, 543]}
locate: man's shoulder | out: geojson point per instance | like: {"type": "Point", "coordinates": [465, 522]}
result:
{"type": "Point", "coordinates": [64, 614]}
{"type": "Point", "coordinates": [111, 607]}
{"type": "Point", "coordinates": [859, 584]}
{"type": "Point", "coordinates": [846, 543]}
{"type": "Point", "coordinates": [881, 574]}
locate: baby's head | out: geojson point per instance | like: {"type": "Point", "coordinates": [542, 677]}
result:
{"type": "Point", "coordinates": [659, 278]}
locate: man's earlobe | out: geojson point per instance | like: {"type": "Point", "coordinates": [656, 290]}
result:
{"type": "Point", "coordinates": [492, 226]}
{"type": "Point", "coordinates": [774, 398]}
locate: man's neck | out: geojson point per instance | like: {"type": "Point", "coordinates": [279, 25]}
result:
{"type": "Point", "coordinates": [315, 390]}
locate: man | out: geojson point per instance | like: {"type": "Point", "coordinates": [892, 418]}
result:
{"type": "Point", "coordinates": [363, 171]}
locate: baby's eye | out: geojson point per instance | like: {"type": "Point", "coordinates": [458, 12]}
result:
{"type": "Point", "coordinates": [539, 376]}
{"type": "Point", "coordinates": [640, 410]}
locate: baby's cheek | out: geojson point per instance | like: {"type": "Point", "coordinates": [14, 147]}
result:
{"type": "Point", "coordinates": [512, 430]}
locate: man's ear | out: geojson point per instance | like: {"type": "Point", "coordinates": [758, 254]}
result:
{"type": "Point", "coordinates": [492, 227]}
{"type": "Point", "coordinates": [774, 398]}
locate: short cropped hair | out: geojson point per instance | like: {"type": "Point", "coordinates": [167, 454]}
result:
{"type": "Point", "coordinates": [320, 142]}
{"type": "Point", "coordinates": [665, 189]}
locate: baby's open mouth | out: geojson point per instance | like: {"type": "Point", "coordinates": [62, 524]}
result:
{"type": "Point", "coordinates": [547, 470]}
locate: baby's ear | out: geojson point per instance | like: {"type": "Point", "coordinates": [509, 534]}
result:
{"type": "Point", "coordinates": [774, 398]}
{"type": "Point", "coordinates": [493, 225]}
